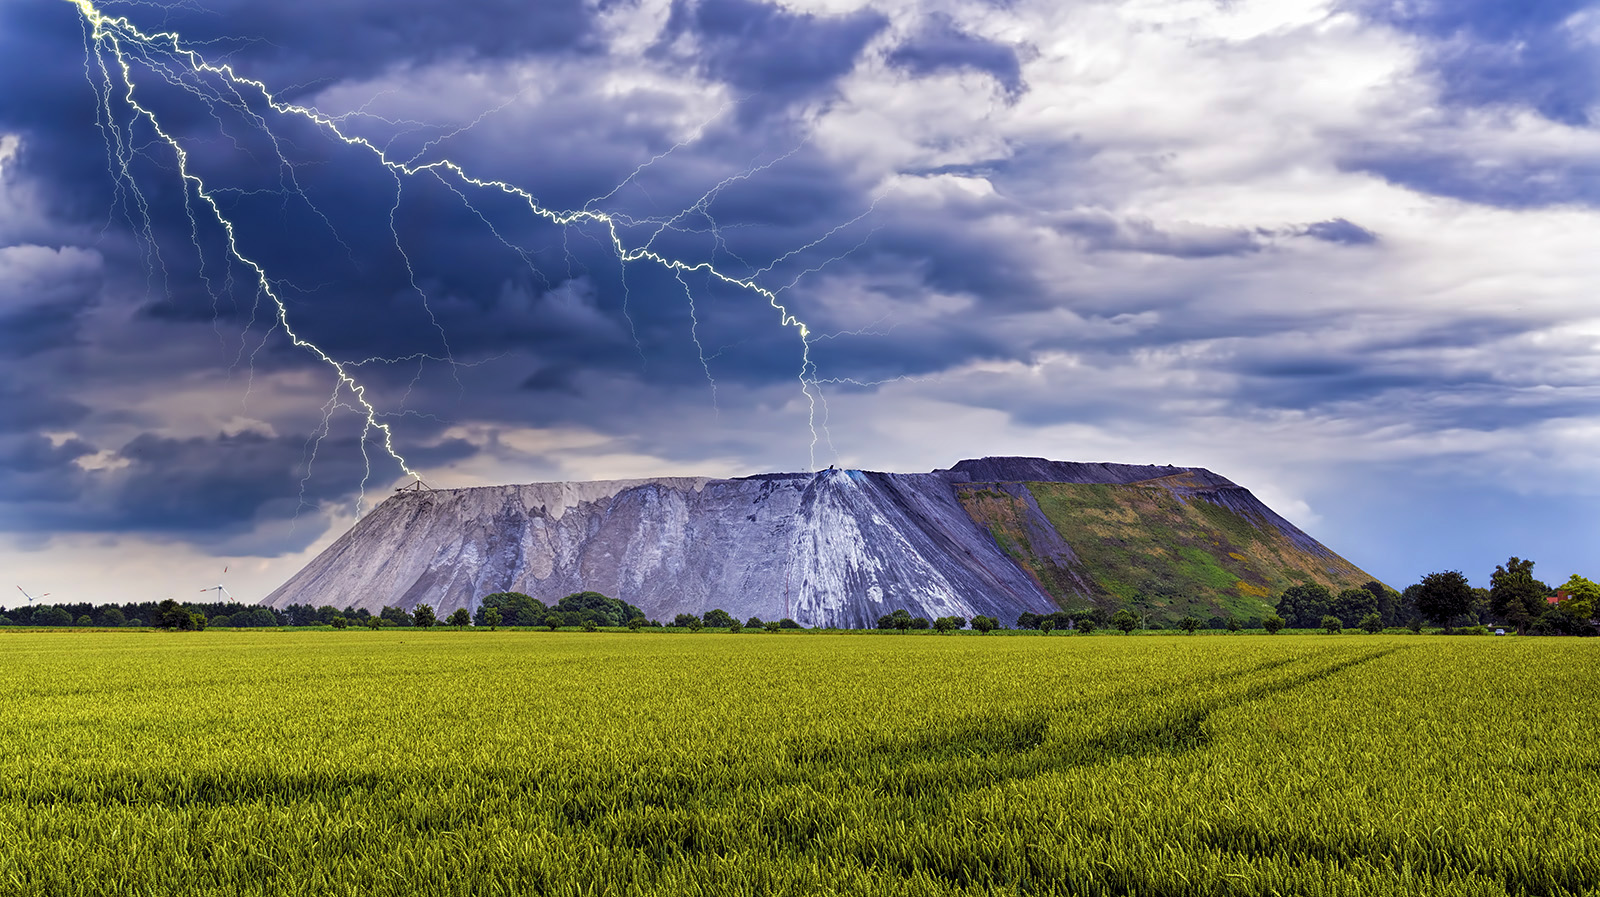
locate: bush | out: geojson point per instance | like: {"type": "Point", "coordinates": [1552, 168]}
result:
{"type": "Point", "coordinates": [552, 622]}
{"type": "Point", "coordinates": [787, 623]}
{"type": "Point", "coordinates": [1189, 624]}
{"type": "Point", "coordinates": [85, 620]}
{"type": "Point", "coordinates": [1233, 624]}
{"type": "Point", "coordinates": [589, 625]}
{"type": "Point", "coordinates": [339, 623]}
{"type": "Point", "coordinates": [1272, 623]}
{"type": "Point", "coordinates": [635, 624]}
{"type": "Point", "coordinates": [1125, 621]}
{"type": "Point", "coordinates": [1372, 624]}
{"type": "Point", "coordinates": [1086, 625]}
{"type": "Point", "coordinates": [686, 621]}
{"type": "Point", "coordinates": [1332, 625]}
{"type": "Point", "coordinates": [772, 626]}
{"type": "Point", "coordinates": [754, 623]}
{"type": "Point", "coordinates": [221, 620]}
{"type": "Point", "coordinates": [736, 626]}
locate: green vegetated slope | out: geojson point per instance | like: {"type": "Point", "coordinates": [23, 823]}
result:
{"type": "Point", "coordinates": [513, 763]}
{"type": "Point", "coordinates": [1144, 546]}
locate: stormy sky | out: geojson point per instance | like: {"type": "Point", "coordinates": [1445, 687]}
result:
{"type": "Point", "coordinates": [1345, 253]}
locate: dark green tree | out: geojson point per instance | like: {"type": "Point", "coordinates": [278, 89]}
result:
{"type": "Point", "coordinates": [1272, 623]}
{"type": "Point", "coordinates": [787, 623]}
{"type": "Point", "coordinates": [1045, 625]}
{"type": "Point", "coordinates": [944, 625]}
{"type": "Point", "coordinates": [1388, 601]}
{"type": "Point", "coordinates": [919, 622]}
{"type": "Point", "coordinates": [1332, 625]}
{"type": "Point", "coordinates": [460, 618]}
{"type": "Point", "coordinates": [339, 623]}
{"type": "Point", "coordinates": [696, 624]}
{"type": "Point", "coordinates": [169, 615]}
{"type": "Point", "coordinates": [1444, 596]}
{"type": "Point", "coordinates": [1515, 596]}
{"type": "Point", "coordinates": [113, 616]}
{"type": "Point", "coordinates": [1372, 623]}
{"type": "Point", "coordinates": [1354, 604]}
{"type": "Point", "coordinates": [491, 618]}
{"type": "Point", "coordinates": [552, 622]}
{"type": "Point", "coordinates": [718, 619]}
{"type": "Point", "coordinates": [1086, 625]}
{"type": "Point", "coordinates": [772, 626]}
{"type": "Point", "coordinates": [589, 625]}
{"type": "Point", "coordinates": [985, 624]}
{"type": "Point", "coordinates": [1303, 606]}
{"type": "Point", "coordinates": [516, 609]}
{"type": "Point", "coordinates": [373, 623]}
{"type": "Point", "coordinates": [1189, 624]}
{"type": "Point", "coordinates": [753, 623]}
{"type": "Point", "coordinates": [392, 614]}
{"type": "Point", "coordinates": [85, 620]}
{"type": "Point", "coordinates": [1125, 621]}
{"type": "Point", "coordinates": [687, 621]}
{"type": "Point", "coordinates": [736, 627]}
{"type": "Point", "coordinates": [635, 624]}
{"type": "Point", "coordinates": [422, 616]}
{"type": "Point", "coordinates": [593, 605]}
{"type": "Point", "coordinates": [1233, 624]}
{"type": "Point", "coordinates": [1028, 620]}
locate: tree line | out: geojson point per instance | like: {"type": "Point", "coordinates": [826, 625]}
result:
{"type": "Point", "coordinates": [1515, 599]}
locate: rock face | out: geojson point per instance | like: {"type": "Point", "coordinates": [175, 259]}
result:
{"type": "Point", "coordinates": [832, 548]}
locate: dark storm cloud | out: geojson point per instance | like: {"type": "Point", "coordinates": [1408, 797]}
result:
{"type": "Point", "coordinates": [942, 46]}
{"type": "Point", "coordinates": [1338, 230]}
{"type": "Point", "coordinates": [1540, 55]}
{"type": "Point", "coordinates": [1489, 52]}
{"type": "Point", "coordinates": [1465, 174]}
{"type": "Point", "coordinates": [772, 54]}
{"type": "Point", "coordinates": [204, 489]}
{"type": "Point", "coordinates": [551, 330]}
{"type": "Point", "coordinates": [301, 46]}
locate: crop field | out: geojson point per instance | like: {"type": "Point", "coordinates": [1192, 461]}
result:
{"type": "Point", "coordinates": [467, 762]}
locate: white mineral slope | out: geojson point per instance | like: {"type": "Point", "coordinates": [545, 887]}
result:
{"type": "Point", "coordinates": [833, 548]}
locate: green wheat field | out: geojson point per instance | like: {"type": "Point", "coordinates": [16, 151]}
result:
{"type": "Point", "coordinates": [449, 762]}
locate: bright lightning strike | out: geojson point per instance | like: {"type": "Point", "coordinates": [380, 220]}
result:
{"type": "Point", "coordinates": [119, 55]}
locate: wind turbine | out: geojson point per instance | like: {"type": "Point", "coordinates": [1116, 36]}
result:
{"type": "Point", "coordinates": [31, 598]}
{"type": "Point", "coordinates": [220, 589]}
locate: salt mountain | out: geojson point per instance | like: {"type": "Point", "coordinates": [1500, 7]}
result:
{"type": "Point", "coordinates": [994, 536]}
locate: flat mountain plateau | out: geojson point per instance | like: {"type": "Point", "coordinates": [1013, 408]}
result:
{"type": "Point", "coordinates": [837, 548]}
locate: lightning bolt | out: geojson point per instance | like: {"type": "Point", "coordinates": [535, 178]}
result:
{"type": "Point", "coordinates": [114, 47]}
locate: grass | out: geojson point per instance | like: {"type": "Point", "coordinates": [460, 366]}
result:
{"type": "Point", "coordinates": [444, 762]}
{"type": "Point", "coordinates": [1140, 544]}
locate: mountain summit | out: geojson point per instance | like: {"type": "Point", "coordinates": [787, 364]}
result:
{"type": "Point", "coordinates": [994, 536]}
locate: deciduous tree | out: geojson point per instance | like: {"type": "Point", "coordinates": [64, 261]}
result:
{"type": "Point", "coordinates": [1515, 596]}
{"type": "Point", "coordinates": [1125, 621]}
{"type": "Point", "coordinates": [1444, 596]}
